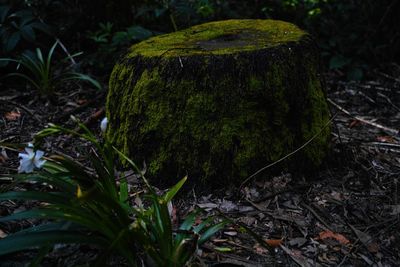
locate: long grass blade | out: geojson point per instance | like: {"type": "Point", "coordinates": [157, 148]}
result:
{"type": "Point", "coordinates": [49, 57]}
{"type": "Point", "coordinates": [56, 198]}
{"type": "Point", "coordinates": [15, 243]}
{"type": "Point", "coordinates": [85, 78]}
{"type": "Point", "coordinates": [209, 232]}
{"type": "Point", "coordinates": [174, 190]}
{"type": "Point", "coordinates": [149, 187]}
{"type": "Point", "coordinates": [27, 78]}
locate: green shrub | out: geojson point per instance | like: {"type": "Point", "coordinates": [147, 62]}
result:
{"type": "Point", "coordinates": [18, 25]}
{"type": "Point", "coordinates": [94, 207]}
{"type": "Point", "coordinates": [39, 72]}
{"type": "Point", "coordinates": [110, 43]}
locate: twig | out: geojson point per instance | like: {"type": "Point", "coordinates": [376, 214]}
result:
{"type": "Point", "coordinates": [387, 76]}
{"type": "Point", "coordinates": [68, 114]}
{"type": "Point", "coordinates": [270, 196]}
{"type": "Point", "coordinates": [317, 216]}
{"type": "Point", "coordinates": [95, 116]}
{"type": "Point", "coordinates": [384, 128]}
{"type": "Point", "coordinates": [388, 100]}
{"type": "Point", "coordinates": [288, 155]}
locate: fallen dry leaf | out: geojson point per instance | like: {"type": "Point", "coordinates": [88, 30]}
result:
{"type": "Point", "coordinates": [354, 123]}
{"type": "Point", "coordinates": [82, 101]}
{"type": "Point", "coordinates": [274, 242]}
{"type": "Point", "coordinates": [298, 241]}
{"type": "Point", "coordinates": [386, 139]}
{"type": "Point", "coordinates": [230, 233]}
{"type": "Point", "coordinates": [12, 115]}
{"type": "Point", "coordinates": [207, 206]}
{"type": "Point", "coordinates": [329, 234]}
{"type": "Point", "coordinates": [260, 250]}
{"type": "Point", "coordinates": [364, 237]}
{"type": "Point", "coordinates": [373, 247]}
{"type": "Point", "coordinates": [296, 256]}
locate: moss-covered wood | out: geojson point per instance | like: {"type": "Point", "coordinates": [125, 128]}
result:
{"type": "Point", "coordinates": [219, 100]}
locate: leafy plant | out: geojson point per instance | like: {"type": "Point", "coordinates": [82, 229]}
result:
{"type": "Point", "coordinates": [92, 206]}
{"type": "Point", "coordinates": [38, 71]}
{"type": "Point", "coordinates": [111, 43]}
{"type": "Point", "coordinates": [17, 25]}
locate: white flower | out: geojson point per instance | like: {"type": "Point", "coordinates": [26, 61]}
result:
{"type": "Point", "coordinates": [30, 160]}
{"type": "Point", "coordinates": [103, 124]}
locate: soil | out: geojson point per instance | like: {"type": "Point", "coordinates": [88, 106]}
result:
{"type": "Point", "coordinates": [348, 214]}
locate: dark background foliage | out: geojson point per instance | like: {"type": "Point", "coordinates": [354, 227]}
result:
{"type": "Point", "coordinates": [354, 35]}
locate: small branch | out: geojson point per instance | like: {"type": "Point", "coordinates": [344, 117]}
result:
{"type": "Point", "coordinates": [384, 128]}
{"type": "Point", "coordinates": [316, 215]}
{"type": "Point", "coordinates": [68, 114]}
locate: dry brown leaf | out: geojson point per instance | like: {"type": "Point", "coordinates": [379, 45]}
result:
{"type": "Point", "coordinates": [373, 247]}
{"type": "Point", "coordinates": [329, 234]}
{"type": "Point", "coordinates": [81, 101]}
{"type": "Point", "coordinates": [274, 242]}
{"type": "Point", "coordinates": [260, 249]}
{"type": "Point", "coordinates": [296, 256]}
{"type": "Point", "coordinates": [386, 139]}
{"type": "Point", "coordinates": [354, 123]}
{"type": "Point", "coordinates": [12, 115]}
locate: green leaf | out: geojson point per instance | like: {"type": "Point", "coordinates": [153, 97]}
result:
{"type": "Point", "coordinates": [189, 220]}
{"type": "Point", "coordinates": [355, 74]}
{"type": "Point", "coordinates": [173, 190]}
{"type": "Point", "coordinates": [57, 198]}
{"type": "Point", "coordinates": [15, 243]}
{"type": "Point", "coordinates": [197, 229]}
{"type": "Point", "coordinates": [338, 61]}
{"type": "Point", "coordinates": [58, 180]}
{"type": "Point", "coordinates": [223, 249]}
{"type": "Point", "coordinates": [76, 171]}
{"type": "Point", "coordinates": [28, 33]}
{"type": "Point", "coordinates": [39, 55]}
{"type": "Point", "coordinates": [209, 232]}
{"type": "Point", "coordinates": [25, 77]}
{"type": "Point", "coordinates": [85, 78]}
{"type": "Point", "coordinates": [41, 27]}
{"type": "Point", "coordinates": [139, 33]}
{"type": "Point", "coordinates": [69, 213]}
{"type": "Point", "coordinates": [106, 179]}
{"type": "Point", "coordinates": [49, 57]}
{"type": "Point", "coordinates": [12, 41]}
{"type": "Point", "coordinates": [123, 191]}
{"type": "Point", "coordinates": [64, 225]}
{"type": "Point", "coordinates": [3, 12]}
{"type": "Point", "coordinates": [184, 250]}
{"type": "Point", "coordinates": [149, 187]}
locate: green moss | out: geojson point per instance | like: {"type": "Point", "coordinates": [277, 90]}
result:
{"type": "Point", "coordinates": [221, 37]}
{"type": "Point", "coordinates": [315, 120]}
{"type": "Point", "coordinates": [222, 116]}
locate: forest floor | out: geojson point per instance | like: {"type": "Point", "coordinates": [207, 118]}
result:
{"type": "Point", "coordinates": [349, 215]}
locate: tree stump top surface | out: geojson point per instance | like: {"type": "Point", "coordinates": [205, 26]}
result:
{"type": "Point", "coordinates": [219, 38]}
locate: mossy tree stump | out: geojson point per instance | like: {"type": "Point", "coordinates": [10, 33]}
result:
{"type": "Point", "coordinates": [220, 100]}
